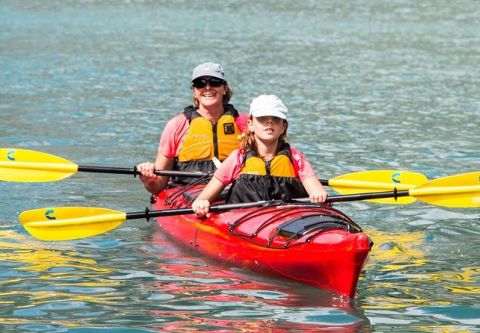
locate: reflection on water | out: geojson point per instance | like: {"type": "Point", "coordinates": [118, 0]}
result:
{"type": "Point", "coordinates": [406, 280]}
{"type": "Point", "coordinates": [43, 281]}
{"type": "Point", "coordinates": [76, 284]}
{"type": "Point", "coordinates": [57, 286]}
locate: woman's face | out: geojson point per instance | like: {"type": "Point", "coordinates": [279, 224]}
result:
{"type": "Point", "coordinates": [209, 91]}
{"type": "Point", "coordinates": [268, 129]}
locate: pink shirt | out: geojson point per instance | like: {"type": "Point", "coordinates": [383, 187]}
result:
{"type": "Point", "coordinates": [231, 168]}
{"type": "Point", "coordinates": [175, 130]}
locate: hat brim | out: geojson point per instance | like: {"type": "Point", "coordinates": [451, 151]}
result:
{"type": "Point", "coordinates": [206, 73]}
{"type": "Point", "coordinates": [269, 113]}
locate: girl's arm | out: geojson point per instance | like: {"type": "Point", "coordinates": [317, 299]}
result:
{"type": "Point", "coordinates": [307, 176]}
{"type": "Point", "coordinates": [315, 190]}
{"type": "Point", "coordinates": [225, 174]}
{"type": "Point", "coordinates": [212, 190]}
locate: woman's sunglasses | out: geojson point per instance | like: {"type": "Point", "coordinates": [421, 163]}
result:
{"type": "Point", "coordinates": [202, 83]}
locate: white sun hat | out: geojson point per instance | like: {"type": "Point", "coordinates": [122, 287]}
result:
{"type": "Point", "coordinates": [268, 105]}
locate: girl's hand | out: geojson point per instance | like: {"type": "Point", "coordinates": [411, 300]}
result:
{"type": "Point", "coordinates": [318, 196]}
{"type": "Point", "coordinates": [201, 207]}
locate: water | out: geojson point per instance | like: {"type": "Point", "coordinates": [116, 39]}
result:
{"type": "Point", "coordinates": [369, 84]}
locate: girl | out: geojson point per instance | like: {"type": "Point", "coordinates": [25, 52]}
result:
{"type": "Point", "coordinates": [265, 167]}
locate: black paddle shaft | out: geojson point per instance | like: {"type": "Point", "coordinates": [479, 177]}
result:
{"type": "Point", "coordinates": [219, 208]}
{"type": "Point", "coordinates": [179, 211]}
{"type": "Point", "coordinates": [367, 196]}
{"type": "Point", "coordinates": [135, 172]}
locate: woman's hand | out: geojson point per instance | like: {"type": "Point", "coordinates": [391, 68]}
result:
{"type": "Point", "coordinates": [147, 171]}
{"type": "Point", "coordinates": [201, 207]}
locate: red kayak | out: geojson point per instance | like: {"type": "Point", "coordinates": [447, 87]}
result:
{"type": "Point", "coordinates": [311, 244]}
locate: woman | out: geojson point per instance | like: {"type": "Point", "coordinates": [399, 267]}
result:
{"type": "Point", "coordinates": [200, 137]}
{"type": "Point", "coordinates": [266, 167]}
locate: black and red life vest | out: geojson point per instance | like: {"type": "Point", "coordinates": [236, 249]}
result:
{"type": "Point", "coordinates": [272, 180]}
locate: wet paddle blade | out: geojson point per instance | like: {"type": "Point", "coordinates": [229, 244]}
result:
{"type": "Point", "coordinates": [377, 181]}
{"type": "Point", "coordinates": [65, 223]}
{"type": "Point", "coordinates": [22, 165]}
{"type": "Point", "coordinates": [462, 190]}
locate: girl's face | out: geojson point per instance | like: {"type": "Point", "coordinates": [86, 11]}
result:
{"type": "Point", "coordinates": [268, 129]}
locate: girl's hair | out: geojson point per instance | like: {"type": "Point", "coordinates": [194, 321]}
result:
{"type": "Point", "coordinates": [226, 97]}
{"type": "Point", "coordinates": [248, 142]}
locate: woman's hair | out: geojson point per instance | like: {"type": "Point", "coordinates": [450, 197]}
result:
{"type": "Point", "coordinates": [248, 142]}
{"type": "Point", "coordinates": [226, 97]}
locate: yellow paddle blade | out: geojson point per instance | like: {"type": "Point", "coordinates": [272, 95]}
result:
{"type": "Point", "coordinates": [462, 190]}
{"type": "Point", "coordinates": [378, 181]}
{"type": "Point", "coordinates": [64, 223]}
{"type": "Point", "coordinates": [23, 165]}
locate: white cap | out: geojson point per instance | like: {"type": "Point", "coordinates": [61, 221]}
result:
{"type": "Point", "coordinates": [208, 69]}
{"type": "Point", "coordinates": [268, 105]}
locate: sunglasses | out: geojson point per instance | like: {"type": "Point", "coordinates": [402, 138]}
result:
{"type": "Point", "coordinates": [202, 83]}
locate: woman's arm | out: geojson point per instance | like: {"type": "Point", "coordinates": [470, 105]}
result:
{"type": "Point", "coordinates": [153, 183]}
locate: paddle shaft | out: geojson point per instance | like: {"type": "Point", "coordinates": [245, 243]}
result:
{"type": "Point", "coordinates": [367, 196]}
{"type": "Point", "coordinates": [179, 211]}
{"type": "Point", "coordinates": [135, 172]}
{"type": "Point", "coordinates": [219, 208]}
